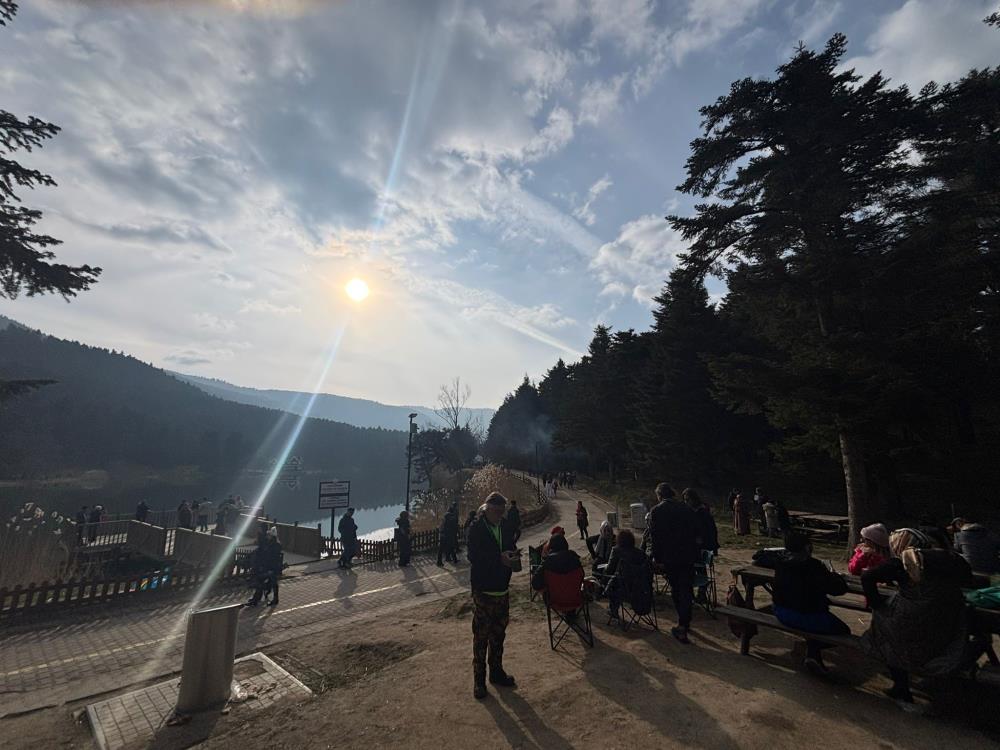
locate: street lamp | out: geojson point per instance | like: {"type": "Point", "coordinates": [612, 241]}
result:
{"type": "Point", "coordinates": [409, 458]}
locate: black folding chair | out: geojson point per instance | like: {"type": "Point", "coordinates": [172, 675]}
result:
{"type": "Point", "coordinates": [704, 582]}
{"type": "Point", "coordinates": [632, 587]}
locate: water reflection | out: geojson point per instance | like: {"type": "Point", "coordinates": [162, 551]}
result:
{"type": "Point", "coordinates": [373, 523]}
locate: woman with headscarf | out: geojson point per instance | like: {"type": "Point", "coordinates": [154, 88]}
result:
{"type": "Point", "coordinates": [922, 627]}
{"type": "Point", "coordinates": [741, 514]}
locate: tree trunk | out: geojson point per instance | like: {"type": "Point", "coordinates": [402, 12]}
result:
{"type": "Point", "coordinates": [859, 511]}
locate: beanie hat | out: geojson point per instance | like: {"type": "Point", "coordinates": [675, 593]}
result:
{"type": "Point", "coordinates": [876, 534]}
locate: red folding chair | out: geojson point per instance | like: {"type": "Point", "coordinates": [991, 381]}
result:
{"type": "Point", "coordinates": [564, 597]}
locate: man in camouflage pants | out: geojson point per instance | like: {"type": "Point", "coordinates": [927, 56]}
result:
{"type": "Point", "coordinates": [492, 554]}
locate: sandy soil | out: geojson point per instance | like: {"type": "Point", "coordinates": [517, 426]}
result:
{"type": "Point", "coordinates": [405, 681]}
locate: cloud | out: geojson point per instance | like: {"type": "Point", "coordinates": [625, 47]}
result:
{"type": "Point", "coordinates": [949, 34]}
{"type": "Point", "coordinates": [213, 323]}
{"type": "Point", "coordinates": [585, 213]}
{"type": "Point", "coordinates": [813, 24]}
{"type": "Point", "coordinates": [159, 231]}
{"type": "Point", "coordinates": [187, 357]}
{"type": "Point", "coordinates": [639, 259]}
{"type": "Point", "coordinates": [600, 98]}
{"type": "Point", "coordinates": [268, 307]}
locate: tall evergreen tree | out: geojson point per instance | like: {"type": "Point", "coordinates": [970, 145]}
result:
{"type": "Point", "coordinates": [808, 172]}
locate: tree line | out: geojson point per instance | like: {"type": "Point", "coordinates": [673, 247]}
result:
{"type": "Point", "coordinates": [856, 226]}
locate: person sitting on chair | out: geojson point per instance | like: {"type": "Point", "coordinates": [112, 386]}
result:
{"type": "Point", "coordinates": [560, 559]}
{"type": "Point", "coordinates": [602, 548]}
{"type": "Point", "coordinates": [801, 585]}
{"type": "Point", "coordinates": [623, 554]}
{"type": "Point", "coordinates": [556, 531]}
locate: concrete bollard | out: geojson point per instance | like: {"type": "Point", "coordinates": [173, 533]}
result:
{"type": "Point", "coordinates": [209, 653]}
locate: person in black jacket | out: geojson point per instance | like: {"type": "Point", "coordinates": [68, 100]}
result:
{"type": "Point", "coordinates": [560, 559]}
{"type": "Point", "coordinates": [269, 564]}
{"type": "Point", "coordinates": [625, 560]}
{"type": "Point", "coordinates": [673, 533]}
{"type": "Point", "coordinates": [448, 537]}
{"type": "Point", "coordinates": [514, 519]}
{"type": "Point", "coordinates": [348, 530]}
{"type": "Point", "coordinates": [402, 535]}
{"type": "Point", "coordinates": [493, 555]}
{"type": "Point", "coordinates": [801, 585]}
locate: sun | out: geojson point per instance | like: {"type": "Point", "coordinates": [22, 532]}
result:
{"type": "Point", "coordinates": [356, 289]}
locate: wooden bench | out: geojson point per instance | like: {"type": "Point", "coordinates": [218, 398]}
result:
{"type": "Point", "coordinates": [767, 620]}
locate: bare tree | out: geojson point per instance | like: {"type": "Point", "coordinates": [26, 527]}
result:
{"type": "Point", "coordinates": [452, 399]}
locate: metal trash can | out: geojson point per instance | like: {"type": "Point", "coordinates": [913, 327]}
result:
{"type": "Point", "coordinates": [209, 653]}
{"type": "Point", "coordinates": [613, 519]}
{"type": "Point", "coordinates": [638, 511]}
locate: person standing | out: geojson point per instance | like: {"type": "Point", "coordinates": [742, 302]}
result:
{"type": "Point", "coordinates": [402, 535]}
{"type": "Point", "coordinates": [348, 530]}
{"type": "Point", "coordinates": [471, 519]}
{"type": "Point", "coordinates": [95, 520]}
{"type": "Point", "coordinates": [184, 516]}
{"type": "Point", "coordinates": [514, 519]}
{"type": "Point", "coordinates": [741, 515]}
{"type": "Point", "coordinates": [673, 532]}
{"type": "Point", "coordinates": [448, 537]}
{"type": "Point", "coordinates": [141, 511]}
{"type": "Point", "coordinates": [493, 556]}
{"type": "Point", "coordinates": [204, 508]}
{"type": "Point", "coordinates": [81, 525]}
{"type": "Point", "coordinates": [582, 520]}
{"type": "Point", "coordinates": [269, 564]}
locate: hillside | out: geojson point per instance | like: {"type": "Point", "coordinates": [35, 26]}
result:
{"type": "Point", "coordinates": [356, 411]}
{"type": "Point", "coordinates": [112, 429]}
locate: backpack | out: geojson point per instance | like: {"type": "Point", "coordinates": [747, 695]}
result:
{"type": "Point", "coordinates": [735, 599]}
{"type": "Point", "coordinates": [769, 557]}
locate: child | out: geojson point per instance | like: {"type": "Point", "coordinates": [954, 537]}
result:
{"type": "Point", "coordinates": [873, 550]}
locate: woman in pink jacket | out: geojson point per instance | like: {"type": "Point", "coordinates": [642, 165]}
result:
{"type": "Point", "coordinates": [873, 550]}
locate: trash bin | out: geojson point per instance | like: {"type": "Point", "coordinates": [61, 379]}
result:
{"type": "Point", "coordinates": [638, 511]}
{"type": "Point", "coordinates": [209, 653]}
{"type": "Point", "coordinates": [613, 519]}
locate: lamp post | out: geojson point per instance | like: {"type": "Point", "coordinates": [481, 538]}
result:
{"type": "Point", "coordinates": [409, 459]}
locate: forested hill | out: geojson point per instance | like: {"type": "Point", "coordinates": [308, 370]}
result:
{"type": "Point", "coordinates": [113, 428]}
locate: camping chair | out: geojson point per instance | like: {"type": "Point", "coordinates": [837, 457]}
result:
{"type": "Point", "coordinates": [661, 584]}
{"type": "Point", "coordinates": [633, 589]}
{"type": "Point", "coordinates": [704, 578]}
{"type": "Point", "coordinates": [534, 565]}
{"type": "Point", "coordinates": [563, 595]}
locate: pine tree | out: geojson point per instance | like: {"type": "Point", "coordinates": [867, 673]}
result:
{"type": "Point", "coordinates": [808, 173]}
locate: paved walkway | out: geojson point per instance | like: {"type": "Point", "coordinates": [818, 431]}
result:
{"type": "Point", "coordinates": [107, 649]}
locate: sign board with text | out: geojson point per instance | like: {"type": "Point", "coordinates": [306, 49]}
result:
{"type": "Point", "coordinates": [334, 495]}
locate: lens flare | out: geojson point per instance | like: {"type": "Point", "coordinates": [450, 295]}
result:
{"type": "Point", "coordinates": [356, 289]}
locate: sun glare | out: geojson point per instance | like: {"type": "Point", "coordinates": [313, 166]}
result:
{"type": "Point", "coordinates": [356, 289]}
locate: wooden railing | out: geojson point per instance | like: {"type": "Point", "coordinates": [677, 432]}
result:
{"type": "Point", "coordinates": [57, 595]}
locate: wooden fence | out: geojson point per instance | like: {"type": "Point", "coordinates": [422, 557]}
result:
{"type": "Point", "coordinates": [57, 595]}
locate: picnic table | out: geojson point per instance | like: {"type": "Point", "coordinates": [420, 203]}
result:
{"type": "Point", "coordinates": [752, 576]}
{"type": "Point", "coordinates": [820, 523]}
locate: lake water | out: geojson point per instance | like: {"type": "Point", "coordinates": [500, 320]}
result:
{"type": "Point", "coordinates": [373, 523]}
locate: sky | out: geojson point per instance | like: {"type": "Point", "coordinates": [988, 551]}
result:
{"type": "Point", "coordinates": [498, 173]}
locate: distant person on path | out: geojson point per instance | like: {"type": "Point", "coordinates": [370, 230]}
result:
{"type": "Point", "coordinates": [269, 564]}
{"type": "Point", "coordinates": [81, 525]}
{"type": "Point", "coordinates": [402, 535]}
{"type": "Point", "coordinates": [921, 627]}
{"type": "Point", "coordinates": [872, 551]}
{"type": "Point", "coordinates": [979, 546]}
{"type": "Point", "coordinates": [514, 519]}
{"type": "Point", "coordinates": [204, 509]}
{"type": "Point", "coordinates": [801, 586]}
{"type": "Point", "coordinates": [469, 520]}
{"type": "Point", "coordinates": [673, 532]}
{"type": "Point", "coordinates": [493, 556]}
{"type": "Point", "coordinates": [220, 519]}
{"type": "Point", "coordinates": [448, 537]}
{"type": "Point", "coordinates": [141, 511]}
{"type": "Point", "coordinates": [347, 528]}
{"type": "Point", "coordinates": [741, 515]}
{"type": "Point", "coordinates": [759, 501]}
{"type": "Point", "coordinates": [95, 520]}
{"type": "Point", "coordinates": [184, 515]}
{"type": "Point", "coordinates": [582, 520]}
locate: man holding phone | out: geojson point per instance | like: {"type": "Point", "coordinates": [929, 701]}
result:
{"type": "Point", "coordinates": [493, 558]}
